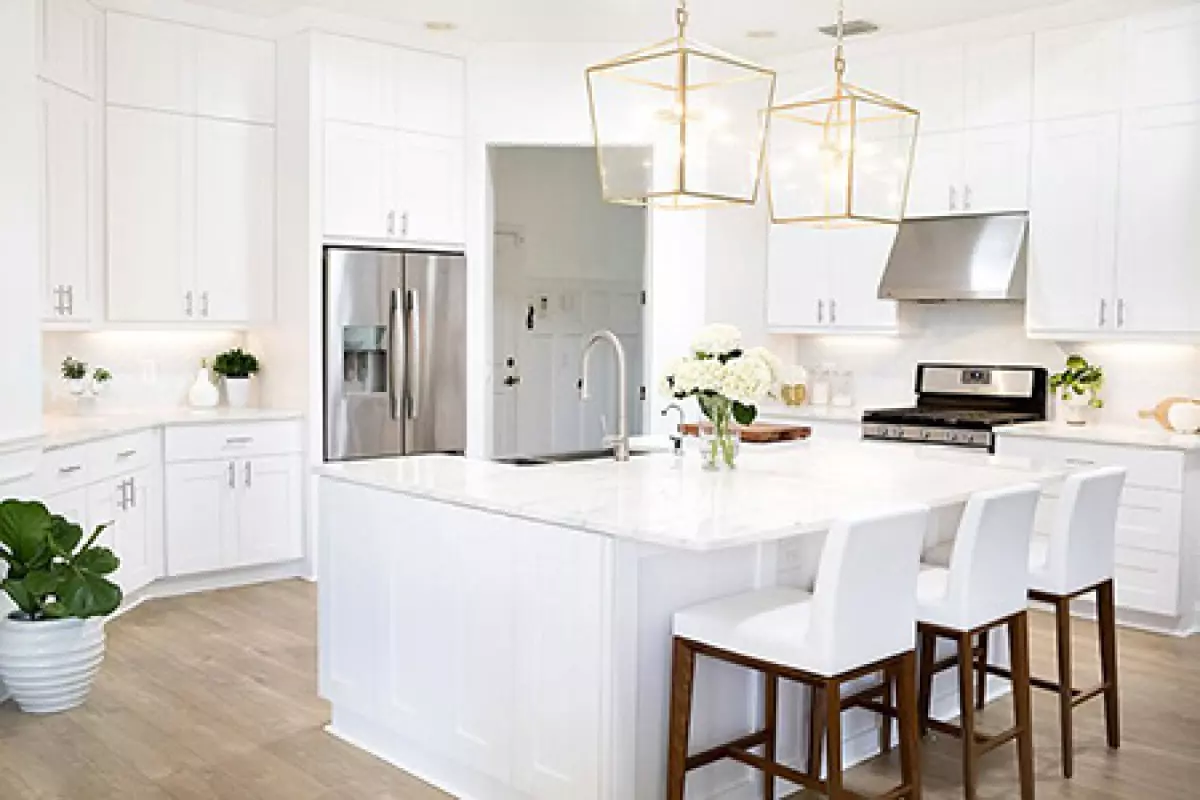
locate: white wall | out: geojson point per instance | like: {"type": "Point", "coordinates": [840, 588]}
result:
{"type": "Point", "coordinates": [20, 400]}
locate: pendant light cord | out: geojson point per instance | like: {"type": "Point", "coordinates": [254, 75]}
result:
{"type": "Point", "coordinates": [839, 57]}
{"type": "Point", "coordinates": [681, 17]}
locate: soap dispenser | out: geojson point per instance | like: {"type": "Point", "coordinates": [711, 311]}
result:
{"type": "Point", "coordinates": [203, 393]}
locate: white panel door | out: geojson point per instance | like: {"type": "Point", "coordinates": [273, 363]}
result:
{"type": "Point", "coordinates": [996, 169]}
{"type": "Point", "coordinates": [1158, 238]}
{"type": "Point", "coordinates": [856, 260]}
{"type": "Point", "coordinates": [201, 516]}
{"type": "Point", "coordinates": [797, 278]}
{"type": "Point", "coordinates": [1162, 58]}
{"type": "Point", "coordinates": [427, 92]}
{"type": "Point", "coordinates": [68, 32]}
{"type": "Point", "coordinates": [999, 82]}
{"type": "Point", "coordinates": [139, 536]}
{"type": "Point", "coordinates": [235, 219]}
{"type": "Point", "coordinates": [357, 183]}
{"type": "Point", "coordinates": [935, 188]}
{"type": "Point", "coordinates": [1078, 71]}
{"type": "Point", "coordinates": [235, 77]}
{"type": "Point", "coordinates": [934, 83]}
{"type": "Point", "coordinates": [72, 506]}
{"type": "Point", "coordinates": [151, 216]}
{"type": "Point", "coordinates": [356, 80]}
{"type": "Point", "coordinates": [269, 501]}
{"type": "Point", "coordinates": [151, 64]}
{"type": "Point", "coordinates": [427, 188]}
{"type": "Point", "coordinates": [1073, 224]}
{"type": "Point", "coordinates": [70, 204]}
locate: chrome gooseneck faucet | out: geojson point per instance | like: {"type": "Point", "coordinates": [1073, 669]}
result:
{"type": "Point", "coordinates": [620, 441]}
{"type": "Point", "coordinates": [677, 436]}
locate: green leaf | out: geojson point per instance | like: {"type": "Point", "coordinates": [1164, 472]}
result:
{"type": "Point", "coordinates": [42, 582]}
{"type": "Point", "coordinates": [97, 560]}
{"type": "Point", "coordinates": [744, 415]}
{"type": "Point", "coordinates": [20, 595]}
{"type": "Point", "coordinates": [86, 595]}
{"type": "Point", "coordinates": [64, 535]}
{"type": "Point", "coordinates": [24, 529]}
{"type": "Point", "coordinates": [55, 610]}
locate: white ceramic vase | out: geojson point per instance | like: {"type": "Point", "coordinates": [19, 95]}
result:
{"type": "Point", "coordinates": [49, 665]}
{"type": "Point", "coordinates": [77, 386]}
{"type": "Point", "coordinates": [237, 392]}
{"type": "Point", "coordinates": [1076, 409]}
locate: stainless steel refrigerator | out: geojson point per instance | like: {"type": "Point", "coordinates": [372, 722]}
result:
{"type": "Point", "coordinates": [395, 353]}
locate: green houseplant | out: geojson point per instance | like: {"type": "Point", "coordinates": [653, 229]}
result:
{"type": "Point", "coordinates": [236, 367]}
{"type": "Point", "coordinates": [100, 377]}
{"type": "Point", "coordinates": [51, 646]}
{"type": "Point", "coordinates": [1078, 385]}
{"type": "Point", "coordinates": [74, 372]}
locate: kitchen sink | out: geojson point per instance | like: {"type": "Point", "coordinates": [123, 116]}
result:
{"type": "Point", "coordinates": [561, 458]}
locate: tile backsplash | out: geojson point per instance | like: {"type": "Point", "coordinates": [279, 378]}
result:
{"type": "Point", "coordinates": [151, 369]}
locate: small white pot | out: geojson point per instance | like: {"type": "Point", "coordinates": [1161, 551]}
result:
{"type": "Point", "coordinates": [1076, 409]}
{"type": "Point", "coordinates": [237, 392]}
{"type": "Point", "coordinates": [49, 665]}
{"type": "Point", "coordinates": [77, 386]}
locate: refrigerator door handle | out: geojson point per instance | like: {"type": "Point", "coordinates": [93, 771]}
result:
{"type": "Point", "coordinates": [398, 346]}
{"type": "Point", "coordinates": [414, 361]}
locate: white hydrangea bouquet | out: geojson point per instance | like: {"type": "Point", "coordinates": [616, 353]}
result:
{"type": "Point", "coordinates": [728, 383]}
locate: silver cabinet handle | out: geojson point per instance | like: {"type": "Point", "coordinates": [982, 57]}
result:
{"type": "Point", "coordinates": [953, 199]}
{"type": "Point", "coordinates": [1103, 312]}
{"type": "Point", "coordinates": [391, 223]}
{"type": "Point", "coordinates": [404, 225]}
{"type": "Point", "coordinates": [70, 301]}
{"type": "Point", "coordinates": [127, 453]}
{"type": "Point", "coordinates": [133, 492]}
{"type": "Point", "coordinates": [1080, 462]}
{"type": "Point", "coordinates": [249, 475]}
{"type": "Point", "coordinates": [414, 355]}
{"type": "Point", "coordinates": [1121, 313]}
{"type": "Point", "coordinates": [967, 197]}
{"type": "Point", "coordinates": [239, 439]}
{"type": "Point", "coordinates": [58, 307]}
{"type": "Point", "coordinates": [232, 476]}
{"type": "Point", "coordinates": [187, 303]}
{"type": "Point", "coordinates": [123, 488]}
{"type": "Point", "coordinates": [833, 312]}
{"type": "Point", "coordinates": [70, 469]}
{"type": "Point", "coordinates": [204, 304]}
{"type": "Point", "coordinates": [820, 312]}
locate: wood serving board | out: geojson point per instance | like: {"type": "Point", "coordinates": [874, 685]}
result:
{"type": "Point", "coordinates": [1159, 412]}
{"type": "Point", "coordinates": [759, 432]}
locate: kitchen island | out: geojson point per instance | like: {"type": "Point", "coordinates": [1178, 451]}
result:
{"type": "Point", "coordinates": [503, 632]}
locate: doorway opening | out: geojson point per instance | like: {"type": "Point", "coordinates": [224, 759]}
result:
{"type": "Point", "coordinates": [565, 264]}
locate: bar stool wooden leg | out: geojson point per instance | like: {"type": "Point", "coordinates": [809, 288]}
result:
{"type": "Point", "coordinates": [966, 704]}
{"type": "Point", "coordinates": [928, 651]}
{"type": "Point", "coordinates": [771, 726]}
{"type": "Point", "coordinates": [910, 754]}
{"type": "Point", "coordinates": [833, 740]}
{"type": "Point", "coordinates": [885, 723]}
{"type": "Point", "coordinates": [1018, 644]}
{"type": "Point", "coordinates": [982, 673]}
{"type": "Point", "coordinates": [683, 670]}
{"type": "Point", "coordinates": [1066, 693]}
{"type": "Point", "coordinates": [1107, 612]}
{"type": "Point", "coordinates": [816, 733]}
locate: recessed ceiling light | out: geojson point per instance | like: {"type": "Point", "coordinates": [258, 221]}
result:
{"type": "Point", "coordinates": [441, 26]}
{"type": "Point", "coordinates": [761, 34]}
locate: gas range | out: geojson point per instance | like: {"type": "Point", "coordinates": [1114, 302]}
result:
{"type": "Point", "coordinates": [960, 405]}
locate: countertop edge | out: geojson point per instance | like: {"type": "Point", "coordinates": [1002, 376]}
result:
{"type": "Point", "coordinates": [51, 441]}
{"type": "Point", "coordinates": [1113, 435]}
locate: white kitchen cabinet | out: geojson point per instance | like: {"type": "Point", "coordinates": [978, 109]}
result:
{"type": "Point", "coordinates": [268, 511]}
{"type": "Point", "coordinates": [1078, 71]}
{"type": "Point", "coordinates": [934, 83]}
{"type": "Point", "coordinates": [71, 505]}
{"type": "Point", "coordinates": [1162, 58]}
{"type": "Point", "coordinates": [355, 80]}
{"type": "Point", "coordinates": [982, 170]}
{"type": "Point", "coordinates": [1073, 225]}
{"type": "Point", "coordinates": [191, 210]}
{"type": "Point", "coordinates": [357, 191]}
{"type": "Point", "coordinates": [1158, 283]}
{"type": "Point", "coordinates": [827, 281]}
{"type": "Point", "coordinates": [130, 504]}
{"type": "Point", "coordinates": [428, 189]}
{"type": "Point", "coordinates": [166, 66]}
{"type": "Point", "coordinates": [70, 210]}
{"type": "Point", "coordinates": [998, 82]}
{"type": "Point", "coordinates": [68, 38]}
{"type": "Point", "coordinates": [201, 516]}
{"type": "Point", "coordinates": [935, 188]}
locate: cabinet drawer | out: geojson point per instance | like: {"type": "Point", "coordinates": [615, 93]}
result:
{"type": "Point", "coordinates": [1147, 519]}
{"type": "Point", "coordinates": [65, 468]}
{"type": "Point", "coordinates": [1147, 582]}
{"type": "Point", "coordinates": [124, 453]}
{"type": "Point", "coordinates": [1152, 469]}
{"type": "Point", "coordinates": [203, 442]}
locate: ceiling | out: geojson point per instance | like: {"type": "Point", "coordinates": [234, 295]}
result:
{"type": "Point", "coordinates": [721, 22]}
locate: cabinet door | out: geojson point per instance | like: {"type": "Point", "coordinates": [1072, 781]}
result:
{"type": "Point", "coordinates": [269, 501]}
{"type": "Point", "coordinates": [1158, 283]}
{"type": "Point", "coordinates": [1078, 71]}
{"type": "Point", "coordinates": [357, 183]}
{"type": "Point", "coordinates": [139, 534]}
{"type": "Point", "coordinates": [1162, 58]}
{"type": "Point", "coordinates": [856, 260]}
{"type": "Point", "coordinates": [427, 188]}
{"type": "Point", "coordinates": [70, 221]}
{"type": "Point", "coordinates": [937, 172]}
{"type": "Point", "coordinates": [1073, 219]}
{"type": "Point", "coordinates": [934, 84]}
{"type": "Point", "coordinates": [67, 40]}
{"type": "Point", "coordinates": [427, 92]}
{"type": "Point", "coordinates": [996, 169]}
{"type": "Point", "coordinates": [72, 505]}
{"type": "Point", "coordinates": [151, 215]}
{"type": "Point", "coordinates": [797, 278]}
{"type": "Point", "coordinates": [235, 77]}
{"type": "Point", "coordinates": [999, 82]}
{"type": "Point", "coordinates": [151, 64]}
{"type": "Point", "coordinates": [201, 518]}
{"type": "Point", "coordinates": [235, 219]}
{"type": "Point", "coordinates": [356, 80]}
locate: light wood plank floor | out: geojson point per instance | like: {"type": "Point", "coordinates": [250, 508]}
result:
{"type": "Point", "coordinates": [214, 696]}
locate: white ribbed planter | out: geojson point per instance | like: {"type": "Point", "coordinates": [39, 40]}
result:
{"type": "Point", "coordinates": [50, 665]}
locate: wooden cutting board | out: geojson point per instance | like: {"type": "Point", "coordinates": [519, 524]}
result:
{"type": "Point", "coordinates": [760, 432]}
{"type": "Point", "coordinates": [1159, 412]}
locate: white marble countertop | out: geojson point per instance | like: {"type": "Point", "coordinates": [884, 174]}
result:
{"type": "Point", "coordinates": [1148, 435]}
{"type": "Point", "coordinates": [777, 490]}
{"type": "Point", "coordinates": [62, 430]}
{"type": "Point", "coordinates": [814, 413]}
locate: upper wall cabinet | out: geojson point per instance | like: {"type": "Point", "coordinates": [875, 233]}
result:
{"type": "Point", "coordinates": [1078, 71]}
{"type": "Point", "coordinates": [68, 38]}
{"type": "Point", "coordinates": [1162, 58]}
{"type": "Point", "coordinates": [981, 170]}
{"type": "Point", "coordinates": [166, 66]}
{"type": "Point", "coordinates": [374, 84]}
{"type": "Point", "coordinates": [982, 84]}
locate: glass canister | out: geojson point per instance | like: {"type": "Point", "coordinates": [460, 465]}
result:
{"type": "Point", "coordinates": [841, 390]}
{"type": "Point", "coordinates": [819, 390]}
{"type": "Point", "coordinates": [794, 391]}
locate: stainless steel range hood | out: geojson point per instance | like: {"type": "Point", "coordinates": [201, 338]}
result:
{"type": "Point", "coordinates": [978, 257]}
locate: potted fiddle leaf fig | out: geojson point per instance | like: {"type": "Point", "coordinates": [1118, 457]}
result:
{"type": "Point", "coordinates": [51, 646]}
{"type": "Point", "coordinates": [236, 367]}
{"type": "Point", "coordinates": [1078, 386]}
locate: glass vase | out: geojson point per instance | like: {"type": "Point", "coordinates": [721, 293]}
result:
{"type": "Point", "coordinates": [720, 438]}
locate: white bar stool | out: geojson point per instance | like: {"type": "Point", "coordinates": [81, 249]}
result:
{"type": "Point", "coordinates": [1079, 559]}
{"type": "Point", "coordinates": [859, 620]}
{"type": "Point", "coordinates": [984, 588]}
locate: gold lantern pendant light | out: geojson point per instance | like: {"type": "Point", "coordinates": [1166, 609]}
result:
{"type": "Point", "coordinates": [679, 124]}
{"type": "Point", "coordinates": [841, 158]}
